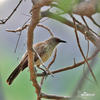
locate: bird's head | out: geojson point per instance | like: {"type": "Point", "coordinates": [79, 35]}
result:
{"type": "Point", "coordinates": [54, 41]}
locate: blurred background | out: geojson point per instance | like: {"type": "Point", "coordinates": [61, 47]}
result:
{"type": "Point", "coordinates": [62, 83]}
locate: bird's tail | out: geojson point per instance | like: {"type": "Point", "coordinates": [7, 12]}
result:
{"type": "Point", "coordinates": [14, 74]}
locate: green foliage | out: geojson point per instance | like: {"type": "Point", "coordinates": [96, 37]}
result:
{"type": "Point", "coordinates": [67, 5]}
{"type": "Point", "coordinates": [98, 6]}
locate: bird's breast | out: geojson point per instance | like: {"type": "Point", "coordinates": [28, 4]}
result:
{"type": "Point", "coordinates": [44, 56]}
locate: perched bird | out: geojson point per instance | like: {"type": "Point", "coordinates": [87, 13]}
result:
{"type": "Point", "coordinates": [44, 50]}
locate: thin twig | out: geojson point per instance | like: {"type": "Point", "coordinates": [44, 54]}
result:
{"type": "Point", "coordinates": [78, 42]}
{"type": "Point", "coordinates": [88, 48]}
{"type": "Point", "coordinates": [41, 21]}
{"type": "Point", "coordinates": [87, 78]}
{"type": "Point", "coordinates": [86, 56]}
{"type": "Point", "coordinates": [5, 20]}
{"type": "Point", "coordinates": [68, 67]}
{"type": "Point", "coordinates": [54, 57]}
{"type": "Point", "coordinates": [82, 28]}
{"type": "Point", "coordinates": [46, 29]}
{"type": "Point", "coordinates": [42, 63]}
{"type": "Point", "coordinates": [42, 80]}
{"type": "Point", "coordinates": [89, 29]}
{"type": "Point", "coordinates": [85, 22]}
{"type": "Point", "coordinates": [94, 22]}
{"type": "Point", "coordinates": [83, 78]}
{"type": "Point", "coordinates": [88, 26]}
{"type": "Point", "coordinates": [76, 19]}
{"type": "Point", "coordinates": [20, 35]}
{"type": "Point", "coordinates": [53, 60]}
{"type": "Point", "coordinates": [18, 29]}
{"type": "Point", "coordinates": [51, 96]}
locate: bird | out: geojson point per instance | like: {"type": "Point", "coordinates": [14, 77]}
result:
{"type": "Point", "coordinates": [44, 49]}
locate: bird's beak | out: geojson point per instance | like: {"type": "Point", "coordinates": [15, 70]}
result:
{"type": "Point", "coordinates": [62, 41]}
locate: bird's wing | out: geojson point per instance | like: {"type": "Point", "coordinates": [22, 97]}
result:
{"type": "Point", "coordinates": [40, 49]}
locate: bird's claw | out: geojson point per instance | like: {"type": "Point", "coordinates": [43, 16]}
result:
{"type": "Point", "coordinates": [45, 73]}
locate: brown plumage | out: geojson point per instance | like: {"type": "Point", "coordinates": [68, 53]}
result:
{"type": "Point", "coordinates": [44, 49]}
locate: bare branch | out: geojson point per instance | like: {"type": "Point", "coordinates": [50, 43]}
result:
{"type": "Point", "coordinates": [68, 67]}
{"type": "Point", "coordinates": [82, 28]}
{"type": "Point", "coordinates": [18, 29]}
{"type": "Point", "coordinates": [48, 96]}
{"type": "Point", "coordinates": [32, 25]}
{"type": "Point", "coordinates": [34, 21]}
{"type": "Point", "coordinates": [26, 25]}
{"type": "Point", "coordinates": [54, 57]}
{"type": "Point", "coordinates": [78, 42]}
{"type": "Point", "coordinates": [20, 34]}
{"type": "Point", "coordinates": [88, 26]}
{"type": "Point", "coordinates": [5, 20]}
{"type": "Point", "coordinates": [46, 29]}
{"type": "Point", "coordinates": [88, 48]}
{"type": "Point", "coordinates": [94, 22]}
{"type": "Point", "coordinates": [42, 80]}
{"type": "Point", "coordinates": [83, 78]}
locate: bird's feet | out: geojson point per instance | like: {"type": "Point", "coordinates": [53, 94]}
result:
{"type": "Point", "coordinates": [47, 72]}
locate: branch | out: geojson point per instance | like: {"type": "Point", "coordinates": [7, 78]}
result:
{"type": "Point", "coordinates": [46, 29]}
{"type": "Point", "coordinates": [78, 42]}
{"type": "Point", "coordinates": [32, 25]}
{"type": "Point", "coordinates": [84, 8]}
{"type": "Point", "coordinates": [18, 29]}
{"type": "Point", "coordinates": [50, 96]}
{"type": "Point", "coordinates": [54, 57]}
{"type": "Point", "coordinates": [88, 26]}
{"type": "Point", "coordinates": [83, 78]}
{"type": "Point", "coordinates": [94, 21]}
{"type": "Point", "coordinates": [5, 20]}
{"type": "Point", "coordinates": [68, 67]}
{"type": "Point", "coordinates": [82, 28]}
{"type": "Point", "coordinates": [34, 21]}
{"type": "Point", "coordinates": [26, 25]}
{"type": "Point", "coordinates": [53, 60]}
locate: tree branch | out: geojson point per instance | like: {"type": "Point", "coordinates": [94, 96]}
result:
{"type": "Point", "coordinates": [68, 67]}
{"type": "Point", "coordinates": [82, 28]}
{"type": "Point", "coordinates": [50, 96]}
{"type": "Point", "coordinates": [78, 42]}
{"type": "Point", "coordinates": [34, 21]}
{"type": "Point", "coordinates": [5, 20]}
{"type": "Point", "coordinates": [32, 25]}
{"type": "Point", "coordinates": [83, 78]}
